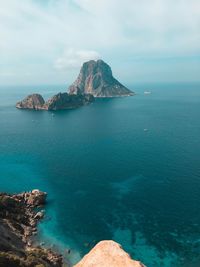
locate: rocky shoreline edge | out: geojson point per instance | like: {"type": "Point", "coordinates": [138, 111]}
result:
{"type": "Point", "coordinates": [19, 216]}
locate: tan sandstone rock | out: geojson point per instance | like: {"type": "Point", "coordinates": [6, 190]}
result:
{"type": "Point", "coordinates": [108, 254]}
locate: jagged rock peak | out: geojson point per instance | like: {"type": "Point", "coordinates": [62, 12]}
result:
{"type": "Point", "coordinates": [96, 78]}
{"type": "Point", "coordinates": [108, 253]}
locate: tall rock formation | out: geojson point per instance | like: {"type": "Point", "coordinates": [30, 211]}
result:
{"type": "Point", "coordinates": [96, 78]}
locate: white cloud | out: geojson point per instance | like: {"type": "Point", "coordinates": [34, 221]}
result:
{"type": "Point", "coordinates": [147, 26]}
{"type": "Point", "coordinates": [75, 58]}
{"type": "Point", "coordinates": [36, 36]}
{"type": "Point", "coordinates": [7, 74]}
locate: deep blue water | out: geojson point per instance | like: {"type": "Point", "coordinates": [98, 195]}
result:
{"type": "Point", "coordinates": [107, 177]}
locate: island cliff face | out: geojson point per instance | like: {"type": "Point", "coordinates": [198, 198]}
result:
{"type": "Point", "coordinates": [19, 216]}
{"type": "Point", "coordinates": [60, 101]}
{"type": "Point", "coordinates": [96, 78]}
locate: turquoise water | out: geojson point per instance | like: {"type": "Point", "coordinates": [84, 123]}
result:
{"type": "Point", "coordinates": [107, 177]}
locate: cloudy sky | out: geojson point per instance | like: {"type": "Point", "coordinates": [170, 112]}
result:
{"type": "Point", "coordinates": [46, 41]}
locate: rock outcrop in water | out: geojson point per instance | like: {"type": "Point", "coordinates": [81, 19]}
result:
{"type": "Point", "coordinates": [96, 78]}
{"type": "Point", "coordinates": [18, 223]}
{"type": "Point", "coordinates": [108, 254]}
{"type": "Point", "coordinates": [60, 101]}
{"type": "Point", "coordinates": [67, 101]}
{"type": "Point", "coordinates": [34, 101]}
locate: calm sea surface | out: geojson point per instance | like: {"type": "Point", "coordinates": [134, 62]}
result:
{"type": "Point", "coordinates": [126, 169]}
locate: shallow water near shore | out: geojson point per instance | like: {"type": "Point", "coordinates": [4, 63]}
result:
{"type": "Point", "coordinates": [126, 169]}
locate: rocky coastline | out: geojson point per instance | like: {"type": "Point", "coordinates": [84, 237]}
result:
{"type": "Point", "coordinates": [19, 216]}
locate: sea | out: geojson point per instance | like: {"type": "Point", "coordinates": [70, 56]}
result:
{"type": "Point", "coordinates": [126, 169]}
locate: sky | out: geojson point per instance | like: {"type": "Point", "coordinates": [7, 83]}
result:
{"type": "Point", "coordinates": [46, 41]}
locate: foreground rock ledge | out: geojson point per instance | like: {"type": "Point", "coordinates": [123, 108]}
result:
{"type": "Point", "coordinates": [108, 254]}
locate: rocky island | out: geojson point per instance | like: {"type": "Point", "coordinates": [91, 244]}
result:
{"type": "Point", "coordinates": [19, 215]}
{"type": "Point", "coordinates": [96, 78]}
{"type": "Point", "coordinates": [60, 101]}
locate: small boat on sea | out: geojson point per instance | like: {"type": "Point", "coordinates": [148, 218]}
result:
{"type": "Point", "coordinates": [147, 92]}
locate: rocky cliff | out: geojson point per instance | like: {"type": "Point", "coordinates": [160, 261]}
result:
{"type": "Point", "coordinates": [96, 78]}
{"type": "Point", "coordinates": [58, 102]}
{"type": "Point", "coordinates": [18, 223]}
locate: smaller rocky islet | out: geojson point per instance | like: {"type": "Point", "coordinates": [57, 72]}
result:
{"type": "Point", "coordinates": [60, 101]}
